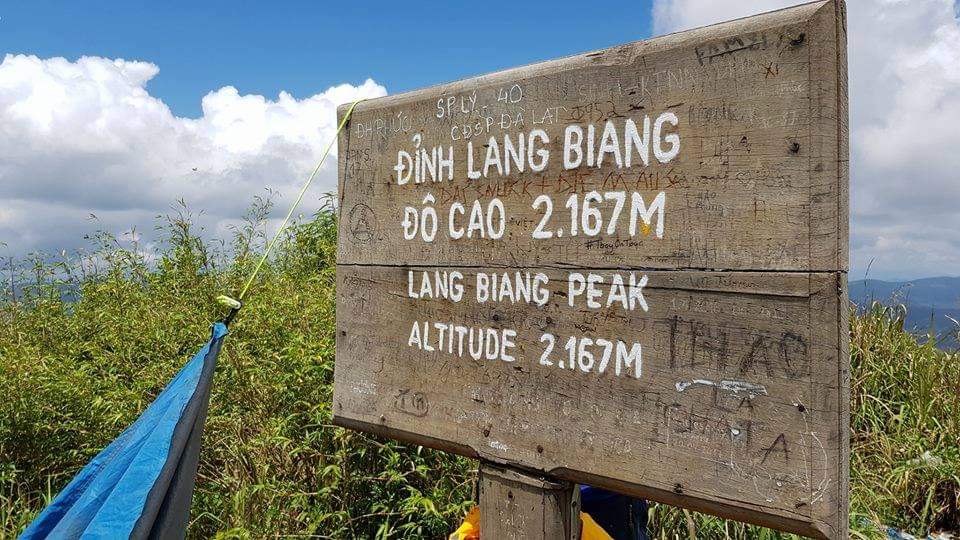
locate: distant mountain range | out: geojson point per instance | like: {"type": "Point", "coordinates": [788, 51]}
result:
{"type": "Point", "coordinates": [930, 302]}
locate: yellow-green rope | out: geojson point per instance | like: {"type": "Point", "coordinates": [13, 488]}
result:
{"type": "Point", "coordinates": [235, 304]}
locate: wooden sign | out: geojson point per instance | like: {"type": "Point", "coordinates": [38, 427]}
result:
{"type": "Point", "coordinates": [625, 268]}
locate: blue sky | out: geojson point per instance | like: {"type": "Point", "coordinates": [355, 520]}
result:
{"type": "Point", "coordinates": [304, 47]}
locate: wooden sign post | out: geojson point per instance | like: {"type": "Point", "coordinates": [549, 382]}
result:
{"type": "Point", "coordinates": [519, 505]}
{"type": "Point", "coordinates": [625, 268]}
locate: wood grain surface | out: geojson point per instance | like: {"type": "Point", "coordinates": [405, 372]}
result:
{"type": "Point", "coordinates": [673, 328]}
{"type": "Point", "coordinates": [521, 506]}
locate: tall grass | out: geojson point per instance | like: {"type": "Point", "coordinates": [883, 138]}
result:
{"type": "Point", "coordinates": [73, 375]}
{"type": "Point", "coordinates": [94, 337]}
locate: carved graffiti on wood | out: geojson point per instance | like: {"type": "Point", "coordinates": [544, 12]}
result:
{"type": "Point", "coordinates": [625, 268]}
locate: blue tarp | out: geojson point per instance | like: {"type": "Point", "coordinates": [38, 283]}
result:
{"type": "Point", "coordinates": [140, 486]}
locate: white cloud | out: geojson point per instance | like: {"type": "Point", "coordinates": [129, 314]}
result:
{"type": "Point", "coordinates": [86, 137]}
{"type": "Point", "coordinates": [904, 60]}
{"type": "Point", "coordinates": [676, 15]}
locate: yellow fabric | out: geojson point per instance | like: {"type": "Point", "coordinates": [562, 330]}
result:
{"type": "Point", "coordinates": [589, 530]}
{"type": "Point", "coordinates": [470, 528]}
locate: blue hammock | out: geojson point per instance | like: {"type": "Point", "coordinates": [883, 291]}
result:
{"type": "Point", "coordinates": [140, 486]}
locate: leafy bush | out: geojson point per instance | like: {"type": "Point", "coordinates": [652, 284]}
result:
{"type": "Point", "coordinates": [94, 338]}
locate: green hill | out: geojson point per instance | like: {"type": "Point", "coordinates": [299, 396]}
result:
{"type": "Point", "coordinates": [74, 372]}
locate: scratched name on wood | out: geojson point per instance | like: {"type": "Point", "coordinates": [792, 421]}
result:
{"type": "Point", "coordinates": [624, 267]}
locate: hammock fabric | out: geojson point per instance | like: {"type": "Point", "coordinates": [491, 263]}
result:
{"type": "Point", "coordinates": [140, 486]}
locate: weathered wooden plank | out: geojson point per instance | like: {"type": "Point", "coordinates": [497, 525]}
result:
{"type": "Point", "coordinates": [753, 187]}
{"type": "Point", "coordinates": [828, 195]}
{"type": "Point", "coordinates": [518, 506]}
{"type": "Point", "coordinates": [706, 276]}
{"type": "Point", "coordinates": [731, 404]}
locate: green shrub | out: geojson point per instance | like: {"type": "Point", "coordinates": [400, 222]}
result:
{"type": "Point", "coordinates": [74, 373]}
